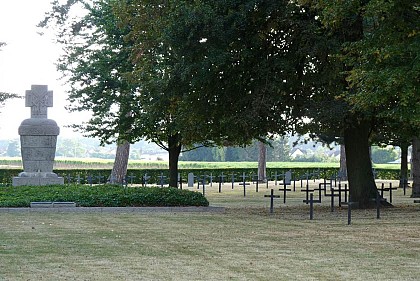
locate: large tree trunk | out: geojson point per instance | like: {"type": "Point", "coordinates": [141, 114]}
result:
{"type": "Point", "coordinates": [343, 163]}
{"type": "Point", "coordinates": [174, 149]}
{"type": "Point", "coordinates": [262, 161]}
{"type": "Point", "coordinates": [119, 170]}
{"type": "Point", "coordinates": [359, 166]}
{"type": "Point", "coordinates": [404, 164]}
{"type": "Point", "coordinates": [415, 167]}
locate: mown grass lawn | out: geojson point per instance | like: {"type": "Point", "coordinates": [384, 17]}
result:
{"type": "Point", "coordinates": [244, 243]}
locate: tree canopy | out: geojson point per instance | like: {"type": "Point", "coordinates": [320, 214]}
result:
{"type": "Point", "coordinates": [229, 71]}
{"type": "Point", "coordinates": [94, 64]}
{"type": "Point", "coordinates": [303, 66]}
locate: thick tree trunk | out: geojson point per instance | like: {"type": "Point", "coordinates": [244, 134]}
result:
{"type": "Point", "coordinates": [359, 166]}
{"type": "Point", "coordinates": [174, 149]}
{"type": "Point", "coordinates": [415, 167]}
{"type": "Point", "coordinates": [119, 170]}
{"type": "Point", "coordinates": [343, 163]}
{"type": "Point", "coordinates": [404, 164]}
{"type": "Point", "coordinates": [262, 162]}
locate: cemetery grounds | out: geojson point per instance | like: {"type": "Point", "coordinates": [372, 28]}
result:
{"type": "Point", "coordinates": [246, 242]}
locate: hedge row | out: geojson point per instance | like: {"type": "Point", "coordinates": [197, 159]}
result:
{"type": "Point", "coordinates": [101, 196]}
{"type": "Point", "coordinates": [135, 176]}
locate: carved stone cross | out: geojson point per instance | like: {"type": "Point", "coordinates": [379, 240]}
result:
{"type": "Point", "coordinates": [39, 99]}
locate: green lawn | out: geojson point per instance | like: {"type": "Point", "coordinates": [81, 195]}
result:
{"type": "Point", "coordinates": [244, 243]}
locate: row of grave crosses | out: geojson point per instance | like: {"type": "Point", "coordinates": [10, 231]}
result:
{"type": "Point", "coordinates": [99, 179]}
{"type": "Point", "coordinates": [282, 178]}
{"type": "Point", "coordinates": [328, 188]}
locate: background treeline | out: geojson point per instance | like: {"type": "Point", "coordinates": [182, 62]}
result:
{"type": "Point", "coordinates": [280, 150]}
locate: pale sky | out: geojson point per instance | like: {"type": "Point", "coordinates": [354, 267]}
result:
{"type": "Point", "coordinates": [29, 59]}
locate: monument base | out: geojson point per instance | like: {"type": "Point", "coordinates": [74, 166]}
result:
{"type": "Point", "coordinates": [37, 179]}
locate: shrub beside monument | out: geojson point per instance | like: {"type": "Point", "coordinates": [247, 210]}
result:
{"type": "Point", "coordinates": [101, 196]}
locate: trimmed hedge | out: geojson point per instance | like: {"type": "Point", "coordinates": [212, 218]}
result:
{"type": "Point", "coordinates": [135, 175]}
{"type": "Point", "coordinates": [99, 176]}
{"type": "Point", "coordinates": [101, 196]}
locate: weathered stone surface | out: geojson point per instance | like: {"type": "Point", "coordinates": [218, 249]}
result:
{"type": "Point", "coordinates": [53, 204]}
{"type": "Point", "coordinates": [39, 154]}
{"type": "Point", "coordinates": [38, 98]}
{"type": "Point", "coordinates": [46, 141]}
{"type": "Point", "coordinates": [38, 127]}
{"type": "Point", "coordinates": [37, 180]}
{"type": "Point", "coordinates": [38, 166]}
{"type": "Point", "coordinates": [41, 204]}
{"type": "Point", "coordinates": [64, 204]}
{"type": "Point", "coordinates": [38, 137]}
{"type": "Point", "coordinates": [190, 179]}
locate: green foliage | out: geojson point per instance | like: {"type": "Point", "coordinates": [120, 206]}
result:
{"type": "Point", "coordinates": [383, 155]}
{"type": "Point", "coordinates": [100, 196]}
{"type": "Point", "coordinates": [227, 71]}
{"type": "Point", "coordinates": [385, 63]}
{"type": "Point", "coordinates": [94, 64]}
{"type": "Point", "coordinates": [277, 151]}
{"type": "Point", "coordinates": [378, 43]}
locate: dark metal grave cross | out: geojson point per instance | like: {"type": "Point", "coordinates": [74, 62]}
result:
{"type": "Point", "coordinates": [233, 180]}
{"type": "Point", "coordinates": [100, 178]}
{"type": "Point", "coordinates": [78, 179]}
{"type": "Point", "coordinates": [201, 180]}
{"type": "Point", "coordinates": [272, 196]}
{"type": "Point", "coordinates": [244, 183]}
{"type": "Point", "coordinates": [145, 178]}
{"type": "Point", "coordinates": [69, 178]}
{"type": "Point", "coordinates": [345, 190]}
{"type": "Point", "coordinates": [221, 181]}
{"type": "Point", "coordinates": [307, 190]}
{"type": "Point", "coordinates": [180, 180]}
{"type": "Point", "coordinates": [284, 189]}
{"type": "Point", "coordinates": [390, 189]}
{"type": "Point", "coordinates": [276, 177]}
{"type": "Point", "coordinates": [255, 179]}
{"type": "Point", "coordinates": [162, 179]}
{"type": "Point", "coordinates": [222, 178]}
{"type": "Point", "coordinates": [315, 174]}
{"type": "Point", "coordinates": [404, 184]}
{"type": "Point", "coordinates": [211, 179]}
{"type": "Point", "coordinates": [89, 180]}
{"type": "Point", "coordinates": [305, 176]}
{"type": "Point", "coordinates": [325, 183]}
{"type": "Point", "coordinates": [131, 177]}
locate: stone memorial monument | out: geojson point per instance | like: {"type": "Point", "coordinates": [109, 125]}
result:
{"type": "Point", "coordinates": [38, 138]}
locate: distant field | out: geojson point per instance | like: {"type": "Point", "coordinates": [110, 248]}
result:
{"type": "Point", "coordinates": [96, 163]}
